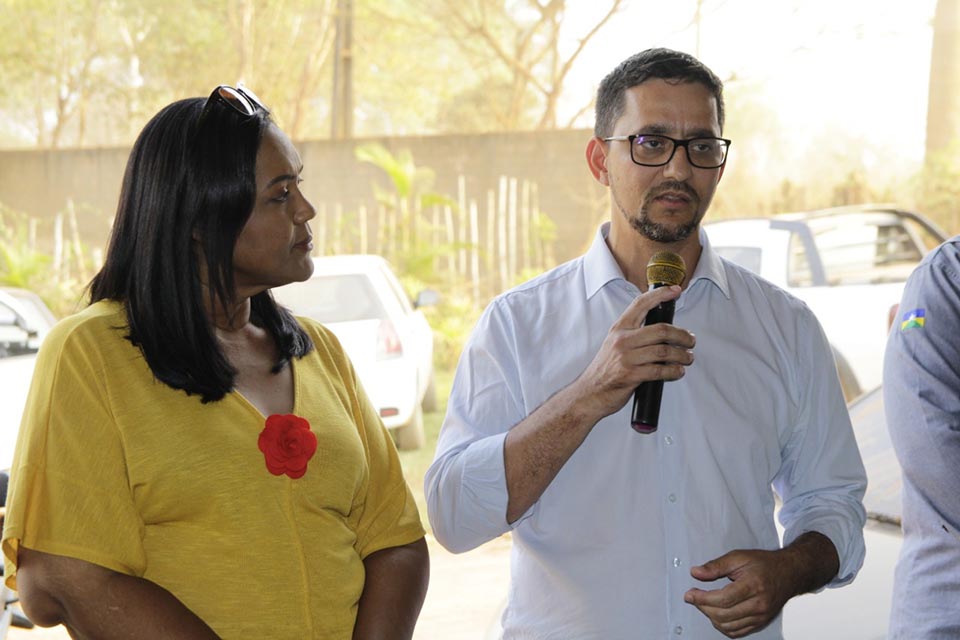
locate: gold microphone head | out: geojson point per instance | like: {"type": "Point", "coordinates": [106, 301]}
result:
{"type": "Point", "coordinates": [665, 269]}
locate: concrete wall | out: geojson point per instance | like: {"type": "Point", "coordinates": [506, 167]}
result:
{"type": "Point", "coordinates": [40, 183]}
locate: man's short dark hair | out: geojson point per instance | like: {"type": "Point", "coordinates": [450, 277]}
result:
{"type": "Point", "coordinates": [660, 63]}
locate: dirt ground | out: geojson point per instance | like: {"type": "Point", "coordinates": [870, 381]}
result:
{"type": "Point", "coordinates": [465, 594]}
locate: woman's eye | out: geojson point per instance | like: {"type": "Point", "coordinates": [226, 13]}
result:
{"type": "Point", "coordinates": [283, 196]}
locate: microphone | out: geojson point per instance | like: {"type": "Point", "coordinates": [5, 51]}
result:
{"type": "Point", "coordinates": [664, 269]}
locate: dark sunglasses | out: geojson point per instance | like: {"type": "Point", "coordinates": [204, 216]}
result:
{"type": "Point", "coordinates": [239, 98]}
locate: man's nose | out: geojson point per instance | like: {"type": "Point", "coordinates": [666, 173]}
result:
{"type": "Point", "coordinates": [679, 167]}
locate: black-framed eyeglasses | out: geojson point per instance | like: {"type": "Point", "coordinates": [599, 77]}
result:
{"type": "Point", "coordinates": [239, 98]}
{"type": "Point", "coordinates": [650, 150]}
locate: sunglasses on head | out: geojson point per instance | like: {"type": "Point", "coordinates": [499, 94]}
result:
{"type": "Point", "coordinates": [239, 98]}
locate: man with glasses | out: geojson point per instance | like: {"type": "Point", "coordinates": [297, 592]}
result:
{"type": "Point", "coordinates": [620, 534]}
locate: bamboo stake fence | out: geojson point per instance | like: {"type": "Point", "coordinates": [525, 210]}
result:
{"type": "Point", "coordinates": [480, 244]}
{"type": "Point", "coordinates": [476, 245]}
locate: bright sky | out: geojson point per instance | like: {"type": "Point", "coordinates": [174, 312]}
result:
{"type": "Point", "coordinates": [858, 66]}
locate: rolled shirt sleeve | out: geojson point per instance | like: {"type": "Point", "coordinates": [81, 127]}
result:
{"type": "Point", "coordinates": [466, 485]}
{"type": "Point", "coordinates": [822, 480]}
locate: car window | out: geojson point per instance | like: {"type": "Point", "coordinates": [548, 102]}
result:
{"type": "Point", "coordinates": [402, 298]}
{"type": "Point", "coordinates": [37, 315]}
{"type": "Point", "coordinates": [334, 298]}
{"type": "Point", "coordinates": [7, 315]}
{"type": "Point", "coordinates": [746, 257]}
{"type": "Point", "coordinates": [927, 239]}
{"type": "Point", "coordinates": [858, 250]}
{"type": "Point", "coordinates": [12, 337]}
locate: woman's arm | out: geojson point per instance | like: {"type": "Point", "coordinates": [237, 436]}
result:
{"type": "Point", "coordinates": [393, 592]}
{"type": "Point", "coordinates": [95, 602]}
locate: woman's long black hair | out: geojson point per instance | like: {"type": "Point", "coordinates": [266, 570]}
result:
{"type": "Point", "coordinates": [190, 183]}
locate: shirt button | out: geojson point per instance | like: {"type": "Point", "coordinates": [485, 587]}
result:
{"type": "Point", "coordinates": [678, 630]}
{"type": "Point", "coordinates": [677, 562]}
{"type": "Point", "coordinates": [668, 439]}
{"type": "Point", "coordinates": [672, 497]}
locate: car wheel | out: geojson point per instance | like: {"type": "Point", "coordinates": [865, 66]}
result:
{"type": "Point", "coordinates": [429, 403]}
{"type": "Point", "coordinates": [410, 436]}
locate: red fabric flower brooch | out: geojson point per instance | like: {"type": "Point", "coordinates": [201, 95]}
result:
{"type": "Point", "coordinates": [287, 445]}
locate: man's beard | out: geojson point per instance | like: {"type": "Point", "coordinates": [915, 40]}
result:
{"type": "Point", "coordinates": [664, 233]}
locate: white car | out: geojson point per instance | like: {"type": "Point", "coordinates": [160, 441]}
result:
{"type": "Point", "coordinates": [24, 323]}
{"type": "Point", "coordinates": [849, 265]}
{"type": "Point", "coordinates": [387, 337]}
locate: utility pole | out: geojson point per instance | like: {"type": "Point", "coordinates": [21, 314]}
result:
{"type": "Point", "coordinates": [696, 20]}
{"type": "Point", "coordinates": [341, 106]}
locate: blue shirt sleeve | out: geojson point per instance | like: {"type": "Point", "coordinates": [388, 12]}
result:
{"type": "Point", "coordinates": [922, 388]}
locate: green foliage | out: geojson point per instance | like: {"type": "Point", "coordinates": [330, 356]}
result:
{"type": "Point", "coordinates": [937, 188]}
{"type": "Point", "coordinates": [86, 71]}
{"type": "Point", "coordinates": [452, 321]}
{"type": "Point", "coordinates": [21, 265]}
{"type": "Point", "coordinates": [412, 192]}
{"type": "Point", "coordinates": [853, 190]}
{"type": "Point", "coordinates": [24, 265]}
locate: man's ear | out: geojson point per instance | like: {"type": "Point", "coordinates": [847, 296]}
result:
{"type": "Point", "coordinates": [596, 154]}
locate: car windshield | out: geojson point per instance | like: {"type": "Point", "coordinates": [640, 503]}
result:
{"type": "Point", "coordinates": [35, 312]}
{"type": "Point", "coordinates": [333, 298]}
{"type": "Point", "coordinates": [862, 249]}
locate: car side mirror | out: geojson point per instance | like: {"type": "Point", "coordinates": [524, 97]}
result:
{"type": "Point", "coordinates": [15, 336]}
{"type": "Point", "coordinates": [427, 298]}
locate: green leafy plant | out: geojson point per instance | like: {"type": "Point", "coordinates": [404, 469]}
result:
{"type": "Point", "coordinates": [410, 195]}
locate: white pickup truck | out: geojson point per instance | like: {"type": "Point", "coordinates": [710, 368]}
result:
{"type": "Point", "coordinates": [24, 322]}
{"type": "Point", "coordinates": [849, 265]}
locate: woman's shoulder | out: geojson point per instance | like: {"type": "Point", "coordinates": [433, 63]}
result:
{"type": "Point", "coordinates": [94, 323]}
{"type": "Point", "coordinates": [96, 333]}
{"type": "Point", "coordinates": [326, 344]}
{"type": "Point", "coordinates": [317, 332]}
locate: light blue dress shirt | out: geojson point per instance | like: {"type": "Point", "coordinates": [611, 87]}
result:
{"type": "Point", "coordinates": [606, 552]}
{"type": "Point", "coordinates": [921, 395]}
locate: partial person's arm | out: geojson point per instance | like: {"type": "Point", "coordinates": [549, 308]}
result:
{"type": "Point", "coordinates": [822, 482]}
{"type": "Point", "coordinates": [96, 603]}
{"type": "Point", "coordinates": [921, 392]}
{"type": "Point", "coordinates": [393, 592]}
{"type": "Point", "coordinates": [762, 582]}
{"type": "Point", "coordinates": [536, 449]}
{"type": "Point", "coordinates": [494, 462]}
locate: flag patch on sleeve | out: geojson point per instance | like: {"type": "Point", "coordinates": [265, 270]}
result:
{"type": "Point", "coordinates": [914, 319]}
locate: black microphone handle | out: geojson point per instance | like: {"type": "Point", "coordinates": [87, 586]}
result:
{"type": "Point", "coordinates": [646, 399]}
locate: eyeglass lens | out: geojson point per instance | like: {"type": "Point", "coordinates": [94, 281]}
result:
{"type": "Point", "coordinates": [654, 150]}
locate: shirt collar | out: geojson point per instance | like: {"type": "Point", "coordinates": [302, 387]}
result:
{"type": "Point", "coordinates": [710, 267]}
{"type": "Point", "coordinates": [600, 267]}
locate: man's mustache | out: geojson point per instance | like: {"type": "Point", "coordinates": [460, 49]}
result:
{"type": "Point", "coordinates": [675, 186]}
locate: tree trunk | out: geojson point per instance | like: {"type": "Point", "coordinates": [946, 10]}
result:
{"type": "Point", "coordinates": [943, 107]}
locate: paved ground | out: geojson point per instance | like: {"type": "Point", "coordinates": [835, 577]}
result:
{"type": "Point", "coordinates": [465, 594]}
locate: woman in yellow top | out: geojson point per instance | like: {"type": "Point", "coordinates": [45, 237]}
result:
{"type": "Point", "coordinates": [193, 461]}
